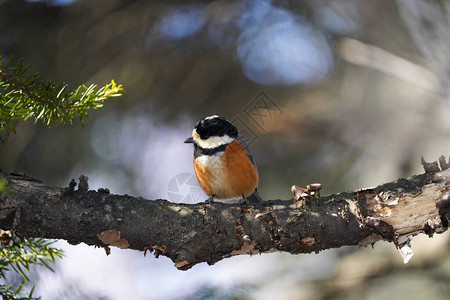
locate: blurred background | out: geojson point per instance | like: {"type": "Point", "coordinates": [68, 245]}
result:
{"type": "Point", "coordinates": [346, 93]}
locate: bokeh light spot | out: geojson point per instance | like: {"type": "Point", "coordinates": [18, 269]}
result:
{"type": "Point", "coordinates": [283, 49]}
{"type": "Point", "coordinates": [182, 22]}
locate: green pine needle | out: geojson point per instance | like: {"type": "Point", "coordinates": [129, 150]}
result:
{"type": "Point", "coordinates": [18, 255]}
{"type": "Point", "coordinates": [28, 96]}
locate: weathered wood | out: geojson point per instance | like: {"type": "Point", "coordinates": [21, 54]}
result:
{"type": "Point", "coordinates": [193, 233]}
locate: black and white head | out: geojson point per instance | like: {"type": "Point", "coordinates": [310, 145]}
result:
{"type": "Point", "coordinates": [212, 132]}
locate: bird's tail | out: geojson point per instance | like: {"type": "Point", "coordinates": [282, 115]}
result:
{"type": "Point", "coordinates": [254, 198]}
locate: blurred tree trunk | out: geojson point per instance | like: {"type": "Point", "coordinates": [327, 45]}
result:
{"type": "Point", "coordinates": [193, 233]}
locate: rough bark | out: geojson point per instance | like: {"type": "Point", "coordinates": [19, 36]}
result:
{"type": "Point", "coordinates": [193, 233]}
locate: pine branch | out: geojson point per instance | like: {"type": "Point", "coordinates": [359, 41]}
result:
{"type": "Point", "coordinates": [18, 254]}
{"type": "Point", "coordinates": [193, 233]}
{"type": "Point", "coordinates": [25, 96]}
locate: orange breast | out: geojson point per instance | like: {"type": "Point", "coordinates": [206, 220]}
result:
{"type": "Point", "coordinates": [242, 175]}
{"type": "Point", "coordinates": [210, 174]}
{"type": "Point", "coordinates": [231, 175]}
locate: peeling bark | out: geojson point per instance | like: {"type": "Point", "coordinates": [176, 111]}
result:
{"type": "Point", "coordinates": [192, 233]}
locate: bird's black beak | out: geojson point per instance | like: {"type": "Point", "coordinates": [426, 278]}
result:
{"type": "Point", "coordinates": [189, 140]}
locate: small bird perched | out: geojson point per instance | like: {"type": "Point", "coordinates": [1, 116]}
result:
{"type": "Point", "coordinates": [224, 167]}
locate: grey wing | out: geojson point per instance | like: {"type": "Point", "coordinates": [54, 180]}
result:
{"type": "Point", "coordinates": [255, 197]}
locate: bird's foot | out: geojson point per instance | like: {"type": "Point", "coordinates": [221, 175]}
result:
{"type": "Point", "coordinates": [244, 202]}
{"type": "Point", "coordinates": [210, 200]}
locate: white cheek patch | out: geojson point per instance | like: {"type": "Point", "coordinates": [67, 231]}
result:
{"type": "Point", "coordinates": [213, 141]}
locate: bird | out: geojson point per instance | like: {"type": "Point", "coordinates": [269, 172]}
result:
{"type": "Point", "coordinates": [223, 164]}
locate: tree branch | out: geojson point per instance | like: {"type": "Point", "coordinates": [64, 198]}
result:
{"type": "Point", "coordinates": [192, 233]}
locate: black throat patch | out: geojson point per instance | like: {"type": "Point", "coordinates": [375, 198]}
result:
{"type": "Point", "coordinates": [199, 151]}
